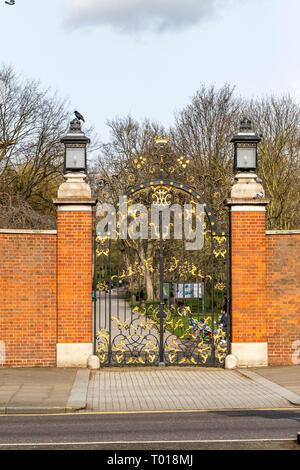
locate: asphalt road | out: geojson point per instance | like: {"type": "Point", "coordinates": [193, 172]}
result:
{"type": "Point", "coordinates": [148, 431]}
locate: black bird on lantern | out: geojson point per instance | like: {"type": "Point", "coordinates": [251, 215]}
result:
{"type": "Point", "coordinates": [79, 116]}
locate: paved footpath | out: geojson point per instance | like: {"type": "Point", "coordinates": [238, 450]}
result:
{"type": "Point", "coordinates": [285, 376]}
{"type": "Point", "coordinates": [42, 390]}
{"type": "Point", "coordinates": [182, 389]}
{"type": "Point", "coordinates": [52, 390]}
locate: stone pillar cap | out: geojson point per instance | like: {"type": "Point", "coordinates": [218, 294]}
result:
{"type": "Point", "coordinates": [247, 189]}
{"type": "Point", "coordinates": [74, 190]}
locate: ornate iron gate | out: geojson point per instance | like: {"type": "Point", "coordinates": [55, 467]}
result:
{"type": "Point", "coordinates": [155, 301]}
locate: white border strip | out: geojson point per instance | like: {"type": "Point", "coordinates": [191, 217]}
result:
{"type": "Point", "coordinates": [74, 208]}
{"type": "Point", "coordinates": [252, 208]}
{"type": "Point", "coordinates": [283, 232]}
{"type": "Point", "coordinates": [204, 441]}
{"type": "Point", "coordinates": [36, 232]}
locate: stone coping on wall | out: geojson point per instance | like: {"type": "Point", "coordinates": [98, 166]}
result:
{"type": "Point", "coordinates": [75, 201]}
{"type": "Point", "coordinates": [246, 201]}
{"type": "Point", "coordinates": [283, 232]}
{"type": "Point", "coordinates": [21, 231]}
{"type": "Point", "coordinates": [54, 232]}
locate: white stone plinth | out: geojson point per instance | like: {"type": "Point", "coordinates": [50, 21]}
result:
{"type": "Point", "coordinates": [250, 354]}
{"type": "Point", "coordinates": [73, 354]}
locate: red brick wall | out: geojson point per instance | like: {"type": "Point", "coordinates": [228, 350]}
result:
{"type": "Point", "coordinates": [248, 277]}
{"type": "Point", "coordinates": [35, 315]}
{"type": "Point", "coordinates": [28, 313]}
{"type": "Point", "coordinates": [283, 287]}
{"type": "Point", "coordinates": [74, 277]}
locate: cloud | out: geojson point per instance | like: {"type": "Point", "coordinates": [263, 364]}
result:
{"type": "Point", "coordinates": [133, 16]}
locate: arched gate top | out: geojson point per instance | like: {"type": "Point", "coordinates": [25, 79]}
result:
{"type": "Point", "coordinates": [181, 187]}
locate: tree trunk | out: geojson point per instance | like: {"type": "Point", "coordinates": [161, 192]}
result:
{"type": "Point", "coordinates": [148, 274]}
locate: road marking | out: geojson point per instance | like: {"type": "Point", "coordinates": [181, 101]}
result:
{"type": "Point", "coordinates": [90, 413]}
{"type": "Point", "coordinates": [200, 441]}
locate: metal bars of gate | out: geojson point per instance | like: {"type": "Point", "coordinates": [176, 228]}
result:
{"type": "Point", "coordinates": [113, 337]}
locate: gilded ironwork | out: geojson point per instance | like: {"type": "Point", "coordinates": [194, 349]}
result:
{"type": "Point", "coordinates": [134, 341]}
{"type": "Point", "coordinates": [154, 301]}
{"type": "Point", "coordinates": [161, 197]}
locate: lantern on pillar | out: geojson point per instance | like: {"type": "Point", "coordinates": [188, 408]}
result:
{"type": "Point", "coordinates": [245, 147]}
{"type": "Point", "coordinates": [75, 142]}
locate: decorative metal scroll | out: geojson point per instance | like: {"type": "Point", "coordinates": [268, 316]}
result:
{"type": "Point", "coordinates": [128, 328]}
{"type": "Point", "coordinates": [154, 301]}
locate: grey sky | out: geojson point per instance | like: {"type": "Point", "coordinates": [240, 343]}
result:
{"type": "Point", "coordinates": [253, 44]}
{"type": "Point", "coordinates": [130, 16]}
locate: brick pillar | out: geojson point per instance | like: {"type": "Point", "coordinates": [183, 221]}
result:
{"type": "Point", "coordinates": [74, 272]}
{"type": "Point", "coordinates": [248, 272]}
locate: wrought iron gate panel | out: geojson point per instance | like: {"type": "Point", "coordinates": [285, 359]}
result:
{"type": "Point", "coordinates": [155, 302]}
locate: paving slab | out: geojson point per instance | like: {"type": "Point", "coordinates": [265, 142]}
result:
{"type": "Point", "coordinates": [35, 390]}
{"type": "Point", "coordinates": [78, 396]}
{"type": "Point", "coordinates": [283, 392]}
{"type": "Point", "coordinates": [129, 390]}
{"type": "Point", "coordinates": [285, 376]}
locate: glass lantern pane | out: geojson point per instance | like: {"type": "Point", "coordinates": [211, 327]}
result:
{"type": "Point", "coordinates": [246, 157]}
{"type": "Point", "coordinates": [75, 157]}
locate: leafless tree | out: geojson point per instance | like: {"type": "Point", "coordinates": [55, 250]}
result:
{"type": "Point", "coordinates": [32, 122]}
{"type": "Point", "coordinates": [278, 120]}
{"type": "Point", "coordinates": [17, 213]}
{"type": "Point", "coordinates": [202, 133]}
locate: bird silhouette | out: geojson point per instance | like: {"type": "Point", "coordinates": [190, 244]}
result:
{"type": "Point", "coordinates": [79, 116]}
{"type": "Point", "coordinates": [11, 2]}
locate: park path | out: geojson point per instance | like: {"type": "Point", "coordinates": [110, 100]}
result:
{"type": "Point", "coordinates": [129, 331]}
{"type": "Point", "coordinates": [135, 339]}
{"type": "Point", "coordinates": [128, 327]}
